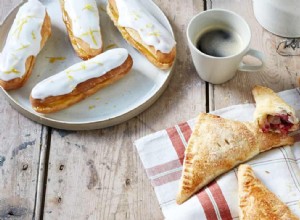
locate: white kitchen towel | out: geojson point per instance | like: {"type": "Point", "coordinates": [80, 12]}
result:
{"type": "Point", "coordinates": [162, 155]}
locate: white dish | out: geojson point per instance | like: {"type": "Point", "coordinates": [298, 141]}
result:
{"type": "Point", "coordinates": [278, 16]}
{"type": "Point", "coordinates": [112, 105]}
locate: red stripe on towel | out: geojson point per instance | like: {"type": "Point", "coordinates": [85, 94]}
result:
{"type": "Point", "coordinates": [179, 147]}
{"type": "Point", "coordinates": [166, 178]}
{"type": "Point", "coordinates": [186, 130]}
{"type": "Point", "coordinates": [207, 205]}
{"type": "Point", "coordinates": [176, 142]}
{"type": "Point", "coordinates": [220, 200]}
{"type": "Point", "coordinates": [165, 167]}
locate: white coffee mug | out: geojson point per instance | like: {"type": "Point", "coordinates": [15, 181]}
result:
{"type": "Point", "coordinates": [214, 69]}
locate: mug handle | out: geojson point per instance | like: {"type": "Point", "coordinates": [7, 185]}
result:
{"type": "Point", "coordinates": [254, 53]}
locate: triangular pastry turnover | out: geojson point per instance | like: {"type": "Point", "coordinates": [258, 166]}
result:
{"type": "Point", "coordinates": [216, 146]}
{"type": "Point", "coordinates": [256, 201]}
{"type": "Point", "coordinates": [272, 113]}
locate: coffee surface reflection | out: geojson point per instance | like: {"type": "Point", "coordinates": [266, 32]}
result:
{"type": "Point", "coordinates": [219, 42]}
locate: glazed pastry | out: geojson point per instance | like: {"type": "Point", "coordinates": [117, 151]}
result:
{"type": "Point", "coordinates": [27, 36]}
{"type": "Point", "coordinates": [256, 201]}
{"type": "Point", "coordinates": [80, 81]}
{"type": "Point", "coordinates": [83, 25]}
{"type": "Point", "coordinates": [143, 31]}
{"type": "Point", "coordinates": [216, 146]}
{"type": "Point", "coordinates": [272, 113]}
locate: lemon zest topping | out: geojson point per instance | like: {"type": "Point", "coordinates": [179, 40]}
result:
{"type": "Point", "coordinates": [23, 47]}
{"type": "Point", "coordinates": [149, 25]}
{"type": "Point", "coordinates": [21, 23]}
{"type": "Point", "coordinates": [154, 33]}
{"type": "Point", "coordinates": [13, 70]}
{"type": "Point", "coordinates": [91, 34]}
{"type": "Point", "coordinates": [33, 35]}
{"type": "Point", "coordinates": [91, 107]}
{"type": "Point", "coordinates": [136, 15]}
{"type": "Point", "coordinates": [82, 67]}
{"type": "Point", "coordinates": [89, 7]}
{"type": "Point", "coordinates": [70, 77]}
{"type": "Point", "coordinates": [54, 59]}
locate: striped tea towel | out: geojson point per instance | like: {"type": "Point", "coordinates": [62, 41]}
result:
{"type": "Point", "coordinates": [162, 155]}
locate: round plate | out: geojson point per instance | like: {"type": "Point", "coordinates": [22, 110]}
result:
{"type": "Point", "coordinates": [109, 106]}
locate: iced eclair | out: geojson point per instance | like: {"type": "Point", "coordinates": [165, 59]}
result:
{"type": "Point", "coordinates": [143, 31]}
{"type": "Point", "coordinates": [83, 25]}
{"type": "Point", "coordinates": [27, 36]}
{"type": "Point", "coordinates": [80, 81]}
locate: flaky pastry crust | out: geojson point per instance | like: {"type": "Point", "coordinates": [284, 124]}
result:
{"type": "Point", "coordinates": [82, 49]}
{"type": "Point", "coordinates": [82, 90]}
{"type": "Point", "coordinates": [30, 61]}
{"type": "Point", "coordinates": [268, 103]}
{"type": "Point", "coordinates": [256, 201]}
{"type": "Point", "coordinates": [159, 59]}
{"type": "Point", "coordinates": [216, 146]}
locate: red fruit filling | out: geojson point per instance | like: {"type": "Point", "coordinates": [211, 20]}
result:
{"type": "Point", "coordinates": [279, 123]}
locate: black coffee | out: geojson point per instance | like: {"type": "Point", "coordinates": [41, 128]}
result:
{"type": "Point", "coordinates": [219, 42]}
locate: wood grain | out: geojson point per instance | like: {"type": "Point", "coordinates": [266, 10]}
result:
{"type": "Point", "coordinates": [280, 73]}
{"type": "Point", "coordinates": [23, 144]}
{"type": "Point", "coordinates": [98, 174]}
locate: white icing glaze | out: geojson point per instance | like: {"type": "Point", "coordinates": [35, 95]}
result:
{"type": "Point", "coordinates": [85, 21]}
{"type": "Point", "coordinates": [65, 81]}
{"type": "Point", "coordinates": [23, 40]}
{"type": "Point", "coordinates": [133, 15]}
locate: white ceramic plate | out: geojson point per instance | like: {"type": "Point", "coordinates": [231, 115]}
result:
{"type": "Point", "coordinates": [112, 105]}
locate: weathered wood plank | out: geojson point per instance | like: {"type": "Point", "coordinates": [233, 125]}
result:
{"type": "Point", "coordinates": [98, 174]}
{"type": "Point", "coordinates": [22, 146]}
{"type": "Point", "coordinates": [280, 72]}
{"type": "Point", "coordinates": [22, 143]}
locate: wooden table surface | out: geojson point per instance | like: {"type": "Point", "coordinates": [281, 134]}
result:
{"type": "Point", "coordinates": [55, 174]}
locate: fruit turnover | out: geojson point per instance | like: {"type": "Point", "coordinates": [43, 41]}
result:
{"type": "Point", "coordinates": [272, 113]}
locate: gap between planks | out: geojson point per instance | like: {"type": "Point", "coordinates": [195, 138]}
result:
{"type": "Point", "coordinates": [42, 175]}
